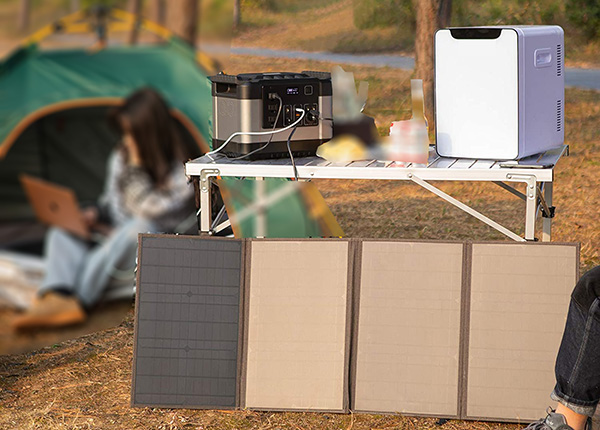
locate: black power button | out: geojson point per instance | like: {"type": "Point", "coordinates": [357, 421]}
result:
{"type": "Point", "coordinates": [308, 90]}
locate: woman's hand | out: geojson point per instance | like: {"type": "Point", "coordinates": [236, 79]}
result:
{"type": "Point", "coordinates": [90, 216]}
{"type": "Point", "coordinates": [133, 153]}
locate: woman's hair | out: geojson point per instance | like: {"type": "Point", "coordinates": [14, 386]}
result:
{"type": "Point", "coordinates": [154, 130]}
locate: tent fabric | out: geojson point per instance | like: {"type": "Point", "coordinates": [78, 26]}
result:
{"type": "Point", "coordinates": [53, 108]}
{"type": "Point", "coordinates": [68, 148]}
{"type": "Point", "coordinates": [35, 82]}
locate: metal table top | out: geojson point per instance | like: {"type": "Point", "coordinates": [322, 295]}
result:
{"type": "Point", "coordinates": [438, 168]}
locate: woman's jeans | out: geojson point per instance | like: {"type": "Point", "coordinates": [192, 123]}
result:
{"type": "Point", "coordinates": [84, 269]}
{"type": "Point", "coordinates": [578, 361]}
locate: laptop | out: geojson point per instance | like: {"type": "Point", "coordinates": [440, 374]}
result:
{"type": "Point", "coordinates": [55, 205]}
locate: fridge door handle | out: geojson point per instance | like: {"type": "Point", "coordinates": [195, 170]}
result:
{"type": "Point", "coordinates": [542, 58]}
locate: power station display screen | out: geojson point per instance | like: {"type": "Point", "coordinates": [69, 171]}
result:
{"type": "Point", "coordinates": [293, 91]}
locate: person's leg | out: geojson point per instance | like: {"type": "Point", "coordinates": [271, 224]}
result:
{"type": "Point", "coordinates": [117, 253]}
{"type": "Point", "coordinates": [55, 305]}
{"type": "Point", "coordinates": [574, 420]}
{"type": "Point", "coordinates": [577, 368]}
{"type": "Point", "coordinates": [64, 254]}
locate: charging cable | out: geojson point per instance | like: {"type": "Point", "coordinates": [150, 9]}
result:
{"type": "Point", "coordinates": [290, 152]}
{"type": "Point", "coordinates": [258, 133]}
{"type": "Point", "coordinates": [241, 157]}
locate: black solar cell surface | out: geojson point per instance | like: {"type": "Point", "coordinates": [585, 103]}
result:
{"type": "Point", "coordinates": [186, 352]}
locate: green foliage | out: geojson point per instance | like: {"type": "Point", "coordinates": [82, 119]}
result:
{"type": "Point", "coordinates": [382, 13]}
{"type": "Point", "coordinates": [511, 12]}
{"type": "Point", "coordinates": [216, 18]}
{"type": "Point", "coordinates": [287, 6]}
{"type": "Point", "coordinates": [585, 14]}
{"type": "Point", "coordinates": [260, 4]}
{"type": "Point", "coordinates": [113, 3]}
{"type": "Point", "coordinates": [401, 39]}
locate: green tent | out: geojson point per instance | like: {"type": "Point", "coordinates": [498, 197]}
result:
{"type": "Point", "coordinates": [54, 104]}
{"type": "Point", "coordinates": [53, 108]}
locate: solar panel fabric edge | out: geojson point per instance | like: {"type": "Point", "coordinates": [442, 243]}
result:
{"type": "Point", "coordinates": [196, 363]}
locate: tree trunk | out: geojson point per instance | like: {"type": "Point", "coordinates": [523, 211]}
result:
{"type": "Point", "coordinates": [159, 12]}
{"type": "Point", "coordinates": [236, 14]}
{"type": "Point", "coordinates": [24, 15]}
{"type": "Point", "coordinates": [75, 6]}
{"type": "Point", "coordinates": [190, 22]}
{"type": "Point", "coordinates": [182, 18]}
{"type": "Point", "coordinates": [445, 13]}
{"type": "Point", "coordinates": [135, 7]}
{"type": "Point", "coordinates": [430, 15]}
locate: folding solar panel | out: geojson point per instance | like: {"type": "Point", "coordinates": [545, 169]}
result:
{"type": "Point", "coordinates": [519, 301]}
{"type": "Point", "coordinates": [297, 351]}
{"type": "Point", "coordinates": [187, 322]}
{"type": "Point", "coordinates": [407, 328]}
{"type": "Point", "coordinates": [430, 328]}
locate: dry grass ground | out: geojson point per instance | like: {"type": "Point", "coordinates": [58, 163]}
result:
{"type": "Point", "coordinates": [85, 383]}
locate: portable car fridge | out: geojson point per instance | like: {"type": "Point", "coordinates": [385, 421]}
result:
{"type": "Point", "coordinates": [499, 91]}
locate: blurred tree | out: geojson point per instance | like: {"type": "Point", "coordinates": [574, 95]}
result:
{"type": "Point", "coordinates": [430, 15]}
{"type": "Point", "coordinates": [236, 14]}
{"type": "Point", "coordinates": [159, 11]}
{"type": "Point", "coordinates": [585, 14]}
{"type": "Point", "coordinates": [135, 7]}
{"type": "Point", "coordinates": [75, 5]}
{"type": "Point", "coordinates": [24, 14]}
{"type": "Point", "coordinates": [182, 18]}
{"type": "Point", "coordinates": [445, 13]}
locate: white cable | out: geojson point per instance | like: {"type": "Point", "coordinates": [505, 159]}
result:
{"type": "Point", "coordinates": [257, 133]}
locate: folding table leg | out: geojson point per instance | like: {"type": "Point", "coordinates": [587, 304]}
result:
{"type": "Point", "coordinates": [205, 200]}
{"type": "Point", "coordinates": [530, 210]}
{"type": "Point", "coordinates": [260, 226]}
{"type": "Point", "coordinates": [547, 221]}
{"type": "Point", "coordinates": [205, 208]}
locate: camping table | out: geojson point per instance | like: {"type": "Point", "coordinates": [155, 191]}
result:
{"type": "Point", "coordinates": [537, 172]}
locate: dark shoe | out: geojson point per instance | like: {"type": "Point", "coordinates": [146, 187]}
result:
{"type": "Point", "coordinates": [554, 421]}
{"type": "Point", "coordinates": [51, 310]}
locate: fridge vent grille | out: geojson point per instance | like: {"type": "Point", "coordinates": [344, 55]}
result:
{"type": "Point", "coordinates": [559, 60]}
{"type": "Point", "coordinates": [559, 115]}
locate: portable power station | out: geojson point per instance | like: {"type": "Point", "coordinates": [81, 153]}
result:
{"type": "Point", "coordinates": [251, 102]}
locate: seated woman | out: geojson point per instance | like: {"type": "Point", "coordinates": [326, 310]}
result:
{"type": "Point", "coordinates": [146, 190]}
